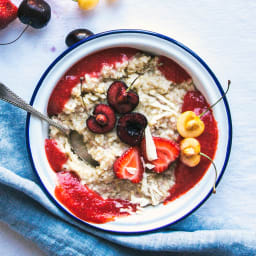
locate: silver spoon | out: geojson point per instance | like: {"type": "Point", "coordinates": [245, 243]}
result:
{"type": "Point", "coordinates": [75, 139]}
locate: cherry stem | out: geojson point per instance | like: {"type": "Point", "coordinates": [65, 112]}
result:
{"type": "Point", "coordinates": [130, 86]}
{"type": "Point", "coordinates": [215, 168]}
{"type": "Point", "coordinates": [81, 93]}
{"type": "Point", "coordinates": [203, 113]}
{"type": "Point", "coordinates": [141, 74]}
{"type": "Point", "coordinates": [23, 31]}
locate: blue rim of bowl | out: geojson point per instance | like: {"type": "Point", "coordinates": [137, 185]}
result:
{"type": "Point", "coordinates": [202, 62]}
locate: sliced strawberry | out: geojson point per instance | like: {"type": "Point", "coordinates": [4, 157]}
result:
{"type": "Point", "coordinates": [129, 165]}
{"type": "Point", "coordinates": [167, 152]}
{"type": "Point", "coordinates": [8, 13]}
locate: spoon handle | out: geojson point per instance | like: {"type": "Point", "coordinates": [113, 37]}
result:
{"type": "Point", "coordinates": [7, 95]}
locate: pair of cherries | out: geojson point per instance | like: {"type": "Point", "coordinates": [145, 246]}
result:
{"type": "Point", "coordinates": [34, 13]}
{"type": "Point", "coordinates": [122, 100]}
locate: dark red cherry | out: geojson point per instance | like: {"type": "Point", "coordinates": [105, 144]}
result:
{"type": "Point", "coordinates": [130, 128]}
{"type": "Point", "coordinates": [121, 100]}
{"type": "Point", "coordinates": [103, 119]}
{"type": "Point", "coordinates": [77, 35]}
{"type": "Point", "coordinates": [35, 13]}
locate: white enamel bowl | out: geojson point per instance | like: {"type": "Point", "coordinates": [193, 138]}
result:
{"type": "Point", "coordinates": [153, 217]}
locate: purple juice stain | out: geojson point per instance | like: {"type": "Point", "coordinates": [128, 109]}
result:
{"type": "Point", "coordinates": [53, 49]}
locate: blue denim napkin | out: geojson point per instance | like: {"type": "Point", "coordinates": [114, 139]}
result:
{"type": "Point", "coordinates": [224, 225]}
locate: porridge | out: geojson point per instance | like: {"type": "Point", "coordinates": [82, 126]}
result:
{"type": "Point", "coordinates": [133, 170]}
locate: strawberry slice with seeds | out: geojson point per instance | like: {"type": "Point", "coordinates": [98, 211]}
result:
{"type": "Point", "coordinates": [8, 13]}
{"type": "Point", "coordinates": [167, 152]}
{"type": "Point", "coordinates": [129, 166]}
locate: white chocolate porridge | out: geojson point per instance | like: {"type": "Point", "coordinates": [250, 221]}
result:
{"type": "Point", "coordinates": [160, 101]}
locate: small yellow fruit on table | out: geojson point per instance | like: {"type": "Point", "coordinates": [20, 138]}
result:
{"type": "Point", "coordinates": [87, 4]}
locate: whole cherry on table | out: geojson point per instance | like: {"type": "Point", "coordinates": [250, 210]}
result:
{"type": "Point", "coordinates": [34, 13]}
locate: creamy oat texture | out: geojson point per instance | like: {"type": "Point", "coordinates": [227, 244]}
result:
{"type": "Point", "coordinates": [160, 101]}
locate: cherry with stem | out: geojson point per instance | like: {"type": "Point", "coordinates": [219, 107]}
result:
{"type": "Point", "coordinates": [20, 35]}
{"type": "Point", "coordinates": [34, 13]}
{"type": "Point", "coordinates": [190, 125]}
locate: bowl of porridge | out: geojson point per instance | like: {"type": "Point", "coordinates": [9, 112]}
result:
{"type": "Point", "coordinates": [141, 103]}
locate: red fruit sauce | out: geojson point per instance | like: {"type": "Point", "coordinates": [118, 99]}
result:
{"type": "Point", "coordinates": [172, 71]}
{"type": "Point", "coordinates": [87, 204]}
{"type": "Point", "coordinates": [188, 177]}
{"type": "Point", "coordinates": [92, 64]}
{"type": "Point", "coordinates": [55, 157]}
{"type": "Point", "coordinates": [84, 202]}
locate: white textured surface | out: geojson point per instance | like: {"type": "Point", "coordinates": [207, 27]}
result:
{"type": "Point", "coordinates": [223, 33]}
{"type": "Point", "coordinates": [12, 244]}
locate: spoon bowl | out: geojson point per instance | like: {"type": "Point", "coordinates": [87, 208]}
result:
{"type": "Point", "coordinates": [75, 139]}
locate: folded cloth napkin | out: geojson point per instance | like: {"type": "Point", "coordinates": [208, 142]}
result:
{"type": "Point", "coordinates": [224, 225]}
